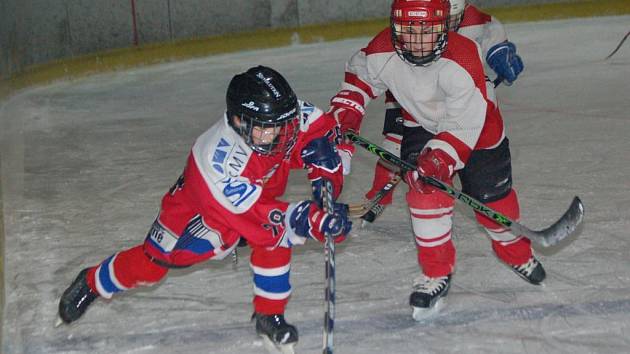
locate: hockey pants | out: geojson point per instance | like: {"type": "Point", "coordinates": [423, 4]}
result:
{"type": "Point", "coordinates": [148, 263]}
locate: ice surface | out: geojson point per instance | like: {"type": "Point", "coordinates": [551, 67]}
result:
{"type": "Point", "coordinates": [85, 163]}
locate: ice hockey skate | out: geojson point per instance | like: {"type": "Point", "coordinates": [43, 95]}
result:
{"type": "Point", "coordinates": [278, 336]}
{"type": "Point", "coordinates": [427, 296]}
{"type": "Point", "coordinates": [532, 271]}
{"type": "Point", "coordinates": [75, 300]}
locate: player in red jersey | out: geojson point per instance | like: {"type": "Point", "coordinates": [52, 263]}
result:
{"type": "Point", "coordinates": [229, 190]}
{"type": "Point", "coordinates": [451, 126]}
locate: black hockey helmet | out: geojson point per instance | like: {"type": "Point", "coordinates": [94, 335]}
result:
{"type": "Point", "coordinates": [266, 108]}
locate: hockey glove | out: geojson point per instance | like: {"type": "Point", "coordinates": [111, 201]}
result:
{"type": "Point", "coordinates": [321, 158]}
{"type": "Point", "coordinates": [502, 58]}
{"type": "Point", "coordinates": [347, 107]}
{"type": "Point", "coordinates": [431, 163]}
{"type": "Point", "coordinates": [308, 220]}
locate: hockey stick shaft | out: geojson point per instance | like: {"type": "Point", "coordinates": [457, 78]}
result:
{"type": "Point", "coordinates": [618, 46]}
{"type": "Point", "coordinates": [546, 237]}
{"type": "Point", "coordinates": [497, 81]}
{"type": "Point", "coordinates": [329, 256]}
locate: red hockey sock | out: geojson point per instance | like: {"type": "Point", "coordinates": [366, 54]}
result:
{"type": "Point", "coordinates": [382, 175]}
{"type": "Point", "coordinates": [507, 206]}
{"type": "Point", "coordinates": [511, 249]}
{"type": "Point", "coordinates": [271, 268]}
{"type": "Point", "coordinates": [437, 261]}
{"type": "Point", "coordinates": [514, 253]}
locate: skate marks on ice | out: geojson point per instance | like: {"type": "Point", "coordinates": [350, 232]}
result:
{"type": "Point", "coordinates": [74, 340]}
{"type": "Point", "coordinates": [544, 323]}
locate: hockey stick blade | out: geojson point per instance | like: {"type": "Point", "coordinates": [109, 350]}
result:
{"type": "Point", "coordinates": [546, 237]}
{"type": "Point", "coordinates": [555, 233]}
{"type": "Point", "coordinates": [359, 210]}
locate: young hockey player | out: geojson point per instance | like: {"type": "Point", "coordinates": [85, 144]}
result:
{"type": "Point", "coordinates": [450, 126]}
{"type": "Point", "coordinates": [500, 55]}
{"type": "Point", "coordinates": [229, 189]}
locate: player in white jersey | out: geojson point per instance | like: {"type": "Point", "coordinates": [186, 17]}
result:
{"type": "Point", "coordinates": [451, 126]}
{"type": "Point", "coordinates": [229, 190]}
{"type": "Point", "coordinates": [501, 57]}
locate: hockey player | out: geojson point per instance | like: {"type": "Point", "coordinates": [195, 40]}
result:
{"type": "Point", "coordinates": [500, 55]}
{"type": "Point", "coordinates": [229, 189]}
{"type": "Point", "coordinates": [451, 127]}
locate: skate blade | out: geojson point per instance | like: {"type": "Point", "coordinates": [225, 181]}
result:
{"type": "Point", "coordinates": [421, 314]}
{"type": "Point", "coordinates": [58, 322]}
{"type": "Point", "coordinates": [274, 348]}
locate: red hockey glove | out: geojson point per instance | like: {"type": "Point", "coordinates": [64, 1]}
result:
{"type": "Point", "coordinates": [348, 109]}
{"type": "Point", "coordinates": [431, 163]}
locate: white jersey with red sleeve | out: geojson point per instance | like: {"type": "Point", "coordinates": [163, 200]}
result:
{"type": "Point", "coordinates": [236, 190]}
{"type": "Point", "coordinates": [447, 98]}
{"type": "Point", "coordinates": [481, 28]}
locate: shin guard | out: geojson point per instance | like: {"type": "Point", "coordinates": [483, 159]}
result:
{"type": "Point", "coordinates": [271, 268]}
{"type": "Point", "coordinates": [431, 218]}
{"type": "Point", "coordinates": [511, 249]}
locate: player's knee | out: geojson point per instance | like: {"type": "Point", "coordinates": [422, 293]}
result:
{"type": "Point", "coordinates": [141, 265]}
{"type": "Point", "coordinates": [126, 270]}
{"type": "Point", "coordinates": [508, 206]}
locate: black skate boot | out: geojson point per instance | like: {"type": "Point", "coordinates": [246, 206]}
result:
{"type": "Point", "coordinates": [276, 332]}
{"type": "Point", "coordinates": [76, 299]}
{"type": "Point", "coordinates": [426, 295]}
{"type": "Point", "coordinates": [532, 271]}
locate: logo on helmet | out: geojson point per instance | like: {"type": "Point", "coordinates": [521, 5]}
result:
{"type": "Point", "coordinates": [268, 82]}
{"type": "Point", "coordinates": [251, 105]}
{"type": "Point", "coordinates": [288, 114]}
{"type": "Point", "coordinates": [421, 14]}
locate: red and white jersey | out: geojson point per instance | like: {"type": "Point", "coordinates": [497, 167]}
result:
{"type": "Point", "coordinates": [447, 98]}
{"type": "Point", "coordinates": [481, 28]}
{"type": "Point", "coordinates": [235, 189]}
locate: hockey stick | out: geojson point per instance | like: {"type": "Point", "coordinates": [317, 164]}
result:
{"type": "Point", "coordinates": [618, 46]}
{"type": "Point", "coordinates": [546, 237]}
{"type": "Point", "coordinates": [361, 209]}
{"type": "Point", "coordinates": [329, 256]}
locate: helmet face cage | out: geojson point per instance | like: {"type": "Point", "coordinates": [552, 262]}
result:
{"type": "Point", "coordinates": [420, 33]}
{"type": "Point", "coordinates": [269, 138]}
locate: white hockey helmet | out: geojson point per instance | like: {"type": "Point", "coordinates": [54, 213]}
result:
{"type": "Point", "coordinates": [457, 14]}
